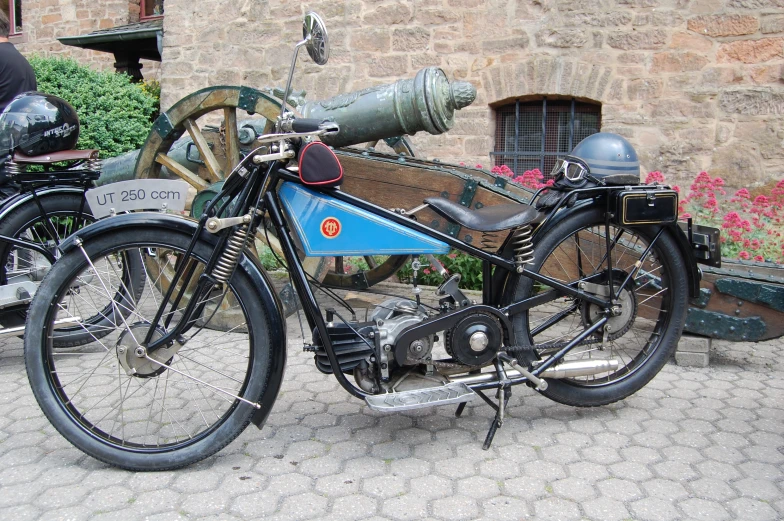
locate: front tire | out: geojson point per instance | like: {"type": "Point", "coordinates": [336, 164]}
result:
{"type": "Point", "coordinates": [130, 412]}
{"type": "Point", "coordinates": [641, 339]}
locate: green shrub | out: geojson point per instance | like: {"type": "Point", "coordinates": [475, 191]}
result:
{"type": "Point", "coordinates": [115, 114]}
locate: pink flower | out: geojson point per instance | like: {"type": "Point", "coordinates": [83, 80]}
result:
{"type": "Point", "coordinates": [743, 193]}
{"type": "Point", "coordinates": [684, 215]}
{"type": "Point", "coordinates": [478, 166]}
{"type": "Point", "coordinates": [744, 255]}
{"type": "Point", "coordinates": [654, 177]}
{"type": "Point", "coordinates": [426, 271]}
{"type": "Point", "coordinates": [759, 258]}
{"type": "Point", "coordinates": [454, 256]}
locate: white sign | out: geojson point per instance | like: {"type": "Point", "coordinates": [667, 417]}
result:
{"type": "Point", "coordinates": [137, 194]}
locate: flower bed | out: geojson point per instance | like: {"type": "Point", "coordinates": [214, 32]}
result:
{"type": "Point", "coordinates": [752, 227]}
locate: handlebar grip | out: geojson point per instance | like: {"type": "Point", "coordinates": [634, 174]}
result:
{"type": "Point", "coordinates": [306, 125]}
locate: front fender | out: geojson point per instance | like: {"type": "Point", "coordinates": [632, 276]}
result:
{"type": "Point", "coordinates": [248, 263]}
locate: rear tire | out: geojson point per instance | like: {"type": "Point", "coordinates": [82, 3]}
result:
{"type": "Point", "coordinates": [152, 417]}
{"type": "Point", "coordinates": [67, 212]}
{"type": "Point", "coordinates": [654, 311]}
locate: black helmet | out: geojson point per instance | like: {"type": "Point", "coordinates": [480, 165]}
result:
{"type": "Point", "coordinates": [36, 124]}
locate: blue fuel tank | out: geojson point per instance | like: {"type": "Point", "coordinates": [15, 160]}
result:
{"type": "Point", "coordinates": [329, 227]}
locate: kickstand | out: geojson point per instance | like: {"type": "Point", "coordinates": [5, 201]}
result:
{"type": "Point", "coordinates": [503, 393]}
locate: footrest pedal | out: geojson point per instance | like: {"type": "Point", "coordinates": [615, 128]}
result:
{"type": "Point", "coordinates": [419, 398]}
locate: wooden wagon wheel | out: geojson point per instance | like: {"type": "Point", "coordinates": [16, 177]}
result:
{"type": "Point", "coordinates": [219, 152]}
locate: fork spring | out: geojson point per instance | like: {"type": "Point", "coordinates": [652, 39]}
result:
{"type": "Point", "coordinates": [234, 246]}
{"type": "Point", "coordinates": [523, 246]}
{"type": "Point", "coordinates": [13, 168]}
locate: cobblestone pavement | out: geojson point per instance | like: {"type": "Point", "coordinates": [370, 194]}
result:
{"type": "Point", "coordinates": [697, 444]}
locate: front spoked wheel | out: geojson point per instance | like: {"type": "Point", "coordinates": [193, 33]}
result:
{"type": "Point", "coordinates": [648, 316]}
{"type": "Point", "coordinates": [139, 411]}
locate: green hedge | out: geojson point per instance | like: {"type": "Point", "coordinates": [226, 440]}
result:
{"type": "Point", "coordinates": [115, 114]}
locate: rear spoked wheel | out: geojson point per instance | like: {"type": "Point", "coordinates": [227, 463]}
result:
{"type": "Point", "coordinates": [138, 410]}
{"type": "Point", "coordinates": [642, 332]}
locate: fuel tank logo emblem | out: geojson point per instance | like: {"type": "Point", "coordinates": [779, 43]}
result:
{"type": "Point", "coordinates": [330, 227]}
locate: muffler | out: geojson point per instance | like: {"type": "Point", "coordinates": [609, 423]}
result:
{"type": "Point", "coordinates": [564, 370]}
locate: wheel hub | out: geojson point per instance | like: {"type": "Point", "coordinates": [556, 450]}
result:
{"type": "Point", "coordinates": [621, 317]}
{"type": "Point", "coordinates": [133, 357]}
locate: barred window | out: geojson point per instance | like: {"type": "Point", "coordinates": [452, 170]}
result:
{"type": "Point", "coordinates": [532, 134]}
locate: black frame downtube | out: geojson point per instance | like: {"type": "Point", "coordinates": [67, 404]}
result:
{"type": "Point", "coordinates": [306, 296]}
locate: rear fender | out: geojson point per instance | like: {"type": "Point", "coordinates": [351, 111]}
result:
{"type": "Point", "coordinates": [17, 200]}
{"type": "Point", "coordinates": [247, 263]}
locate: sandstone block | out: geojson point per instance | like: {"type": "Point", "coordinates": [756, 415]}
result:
{"type": "Point", "coordinates": [767, 74]}
{"type": "Point", "coordinates": [752, 101]}
{"type": "Point", "coordinates": [563, 38]}
{"type": "Point", "coordinates": [735, 160]}
{"type": "Point", "coordinates": [387, 66]}
{"type": "Point", "coordinates": [751, 51]}
{"type": "Point", "coordinates": [678, 62]}
{"type": "Point", "coordinates": [436, 16]}
{"type": "Point", "coordinates": [687, 359]}
{"type": "Point", "coordinates": [690, 42]}
{"type": "Point", "coordinates": [51, 19]}
{"type": "Point", "coordinates": [659, 19]}
{"type": "Point", "coordinates": [643, 89]}
{"type": "Point", "coordinates": [508, 44]}
{"type": "Point", "coordinates": [478, 145]}
{"type": "Point", "coordinates": [410, 39]}
{"type": "Point", "coordinates": [694, 344]}
{"type": "Point", "coordinates": [371, 40]}
{"type": "Point", "coordinates": [466, 4]}
{"type": "Point", "coordinates": [754, 4]}
{"type": "Point", "coordinates": [636, 40]}
{"type": "Point", "coordinates": [386, 15]}
{"type": "Point", "coordinates": [639, 3]}
{"type": "Point", "coordinates": [724, 25]}
{"type": "Point", "coordinates": [773, 23]}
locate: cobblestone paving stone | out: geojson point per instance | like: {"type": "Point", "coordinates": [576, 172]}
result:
{"type": "Point", "coordinates": [695, 444]}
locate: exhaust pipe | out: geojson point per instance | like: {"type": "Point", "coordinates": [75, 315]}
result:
{"type": "Point", "coordinates": [564, 370]}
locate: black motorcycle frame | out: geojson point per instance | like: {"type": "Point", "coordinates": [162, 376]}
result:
{"type": "Point", "coordinates": [255, 194]}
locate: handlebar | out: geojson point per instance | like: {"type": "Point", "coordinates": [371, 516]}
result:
{"type": "Point", "coordinates": [309, 125]}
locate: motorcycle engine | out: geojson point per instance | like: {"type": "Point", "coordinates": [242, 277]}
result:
{"type": "Point", "coordinates": [392, 317]}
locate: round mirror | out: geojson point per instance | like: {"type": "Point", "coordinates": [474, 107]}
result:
{"type": "Point", "coordinates": [315, 32]}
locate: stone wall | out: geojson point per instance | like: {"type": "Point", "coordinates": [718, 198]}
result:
{"type": "Point", "coordinates": [694, 84]}
{"type": "Point", "coordinates": [46, 20]}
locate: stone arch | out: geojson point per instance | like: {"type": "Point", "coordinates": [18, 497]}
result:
{"type": "Point", "coordinates": [548, 75]}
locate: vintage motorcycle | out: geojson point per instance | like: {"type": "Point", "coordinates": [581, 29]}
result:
{"type": "Point", "coordinates": [584, 301]}
{"type": "Point", "coordinates": [44, 181]}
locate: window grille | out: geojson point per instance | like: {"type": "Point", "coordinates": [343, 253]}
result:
{"type": "Point", "coordinates": [533, 134]}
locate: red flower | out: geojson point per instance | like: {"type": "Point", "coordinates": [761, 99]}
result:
{"type": "Point", "coordinates": [759, 258]}
{"type": "Point", "coordinates": [744, 255]}
{"type": "Point", "coordinates": [654, 177]}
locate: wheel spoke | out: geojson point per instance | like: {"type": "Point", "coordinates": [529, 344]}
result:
{"type": "Point", "coordinates": [214, 170]}
{"type": "Point", "coordinates": [232, 138]}
{"type": "Point", "coordinates": [195, 181]}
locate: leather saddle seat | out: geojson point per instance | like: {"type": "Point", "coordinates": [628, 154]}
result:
{"type": "Point", "coordinates": [56, 157]}
{"type": "Point", "coordinates": [486, 219]}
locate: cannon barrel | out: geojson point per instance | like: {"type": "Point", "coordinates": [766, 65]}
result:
{"type": "Point", "coordinates": [426, 102]}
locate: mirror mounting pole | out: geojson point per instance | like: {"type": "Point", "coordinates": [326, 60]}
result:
{"type": "Point", "coordinates": [288, 82]}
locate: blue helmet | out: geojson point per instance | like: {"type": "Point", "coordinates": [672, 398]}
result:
{"type": "Point", "coordinates": [607, 154]}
